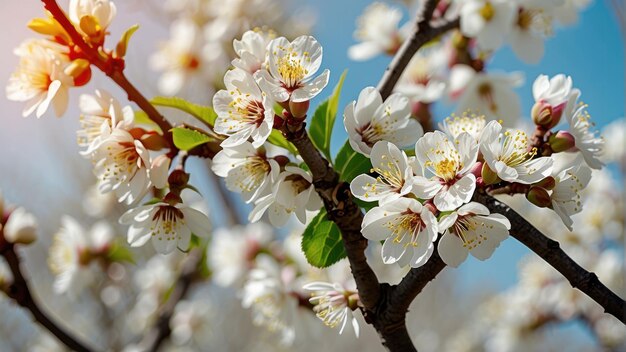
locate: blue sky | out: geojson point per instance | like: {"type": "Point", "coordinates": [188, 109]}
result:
{"type": "Point", "coordinates": [590, 51]}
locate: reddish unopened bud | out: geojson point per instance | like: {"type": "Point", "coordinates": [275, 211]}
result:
{"type": "Point", "coordinates": [561, 141]}
{"type": "Point", "coordinates": [477, 169]}
{"type": "Point", "coordinates": [430, 206]}
{"type": "Point", "coordinates": [137, 132]}
{"type": "Point", "coordinates": [178, 179]}
{"type": "Point", "coordinates": [282, 160]}
{"type": "Point", "coordinates": [80, 71]}
{"type": "Point", "coordinates": [548, 183]}
{"type": "Point", "coordinates": [299, 110]}
{"type": "Point", "coordinates": [539, 197]}
{"type": "Point", "coordinates": [488, 175]}
{"type": "Point", "coordinates": [546, 115]}
{"type": "Point", "coordinates": [153, 141]}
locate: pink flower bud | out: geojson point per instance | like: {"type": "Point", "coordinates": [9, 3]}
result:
{"type": "Point", "coordinates": [299, 110]}
{"type": "Point", "coordinates": [561, 141]}
{"type": "Point", "coordinates": [546, 115]}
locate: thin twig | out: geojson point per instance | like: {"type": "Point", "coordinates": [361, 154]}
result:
{"type": "Point", "coordinates": [112, 68]}
{"type": "Point", "coordinates": [20, 292]}
{"type": "Point", "coordinates": [550, 251]}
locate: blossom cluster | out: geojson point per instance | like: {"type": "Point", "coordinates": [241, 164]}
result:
{"type": "Point", "coordinates": [431, 192]}
{"type": "Point", "coordinates": [199, 49]}
{"type": "Point", "coordinates": [267, 73]}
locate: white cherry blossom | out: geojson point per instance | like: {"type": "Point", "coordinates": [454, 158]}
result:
{"type": "Point", "coordinates": [39, 79]}
{"type": "Point", "coordinates": [102, 11]}
{"type": "Point", "coordinates": [377, 32]}
{"type": "Point", "coordinates": [408, 229]}
{"type": "Point", "coordinates": [471, 229]}
{"type": "Point", "coordinates": [424, 79]}
{"type": "Point", "coordinates": [489, 94]}
{"type": "Point", "coordinates": [100, 114]}
{"type": "Point", "coordinates": [509, 156]}
{"type": "Point", "coordinates": [445, 166]}
{"type": "Point", "coordinates": [566, 196]}
{"type": "Point", "coordinates": [232, 251]}
{"type": "Point", "coordinates": [333, 304]}
{"type": "Point", "coordinates": [586, 138]}
{"type": "Point", "coordinates": [488, 21]}
{"type": "Point", "coordinates": [246, 170]}
{"type": "Point", "coordinates": [72, 251]}
{"type": "Point", "coordinates": [533, 23]}
{"type": "Point", "coordinates": [554, 91]}
{"type": "Point", "coordinates": [168, 226]}
{"type": "Point", "coordinates": [266, 293]}
{"type": "Point", "coordinates": [243, 111]}
{"type": "Point", "coordinates": [122, 164]}
{"type": "Point", "coordinates": [394, 180]}
{"type": "Point", "coordinates": [369, 120]}
{"type": "Point", "coordinates": [252, 50]}
{"type": "Point", "coordinates": [454, 125]}
{"type": "Point", "coordinates": [290, 70]}
{"type": "Point", "coordinates": [293, 192]}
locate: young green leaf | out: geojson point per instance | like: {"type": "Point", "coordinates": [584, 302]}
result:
{"type": "Point", "coordinates": [200, 112]}
{"type": "Point", "coordinates": [321, 242]}
{"type": "Point", "coordinates": [187, 139]}
{"type": "Point", "coordinates": [350, 164]}
{"type": "Point", "coordinates": [122, 45]}
{"type": "Point", "coordinates": [276, 138]}
{"type": "Point", "coordinates": [323, 119]}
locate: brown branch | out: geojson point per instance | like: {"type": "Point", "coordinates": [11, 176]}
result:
{"type": "Point", "coordinates": [550, 251]}
{"type": "Point", "coordinates": [20, 292]}
{"type": "Point", "coordinates": [161, 330]}
{"type": "Point", "coordinates": [112, 67]}
{"type": "Point", "coordinates": [422, 35]}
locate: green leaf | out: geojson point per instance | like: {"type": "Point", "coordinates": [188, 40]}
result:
{"type": "Point", "coordinates": [351, 164]}
{"type": "Point", "coordinates": [187, 139]}
{"type": "Point", "coordinates": [323, 120]}
{"type": "Point", "coordinates": [321, 242]}
{"type": "Point", "coordinates": [200, 112]}
{"type": "Point", "coordinates": [276, 138]}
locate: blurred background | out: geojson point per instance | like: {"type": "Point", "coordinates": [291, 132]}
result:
{"type": "Point", "coordinates": [41, 170]}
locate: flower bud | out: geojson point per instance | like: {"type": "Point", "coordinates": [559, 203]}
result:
{"type": "Point", "coordinates": [282, 160]}
{"type": "Point", "coordinates": [153, 141]}
{"type": "Point", "coordinates": [299, 110]}
{"type": "Point", "coordinates": [546, 115]}
{"type": "Point", "coordinates": [561, 141]}
{"type": "Point", "coordinates": [80, 70]}
{"type": "Point", "coordinates": [539, 197]}
{"type": "Point", "coordinates": [548, 183]}
{"type": "Point", "coordinates": [89, 25]}
{"type": "Point", "coordinates": [47, 26]}
{"type": "Point", "coordinates": [476, 170]}
{"type": "Point", "coordinates": [21, 227]}
{"type": "Point", "coordinates": [178, 179]}
{"type": "Point", "coordinates": [489, 176]}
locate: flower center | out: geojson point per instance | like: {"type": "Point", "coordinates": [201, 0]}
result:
{"type": "Point", "coordinates": [291, 68]}
{"type": "Point", "coordinates": [487, 12]}
{"type": "Point", "coordinates": [252, 174]}
{"type": "Point", "coordinates": [165, 222]}
{"type": "Point", "coordinates": [245, 111]}
{"type": "Point", "coordinates": [470, 231]}
{"type": "Point", "coordinates": [515, 148]}
{"type": "Point", "coordinates": [406, 228]}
